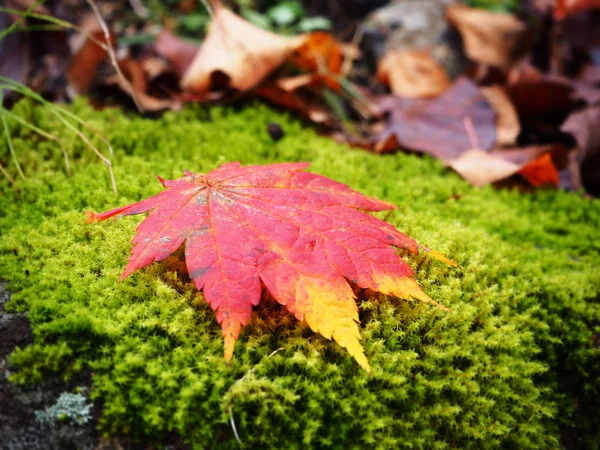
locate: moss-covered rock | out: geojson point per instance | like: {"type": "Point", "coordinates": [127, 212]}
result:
{"type": "Point", "coordinates": [516, 363]}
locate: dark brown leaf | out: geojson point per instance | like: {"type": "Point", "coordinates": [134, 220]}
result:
{"type": "Point", "coordinates": [584, 126]}
{"type": "Point", "coordinates": [440, 126]}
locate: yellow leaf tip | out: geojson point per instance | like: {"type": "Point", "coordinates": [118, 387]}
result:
{"type": "Point", "coordinates": [440, 257]}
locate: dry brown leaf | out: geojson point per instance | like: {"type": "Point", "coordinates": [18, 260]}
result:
{"type": "Point", "coordinates": [489, 38]}
{"type": "Point", "coordinates": [480, 167]}
{"type": "Point", "coordinates": [507, 120]}
{"type": "Point", "coordinates": [244, 53]}
{"type": "Point", "coordinates": [85, 62]}
{"type": "Point", "coordinates": [412, 73]}
{"type": "Point", "coordinates": [138, 84]}
{"type": "Point", "coordinates": [584, 127]}
{"type": "Point", "coordinates": [288, 93]}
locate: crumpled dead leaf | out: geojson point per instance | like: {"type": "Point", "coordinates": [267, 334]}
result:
{"type": "Point", "coordinates": [412, 73]}
{"type": "Point", "coordinates": [437, 126]}
{"type": "Point", "coordinates": [490, 38]}
{"type": "Point", "coordinates": [480, 167]}
{"type": "Point", "coordinates": [290, 94]}
{"type": "Point", "coordinates": [138, 73]}
{"type": "Point", "coordinates": [243, 53]}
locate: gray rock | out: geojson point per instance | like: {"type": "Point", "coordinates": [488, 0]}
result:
{"type": "Point", "coordinates": [415, 25]}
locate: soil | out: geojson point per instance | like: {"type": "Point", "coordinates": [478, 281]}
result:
{"type": "Point", "coordinates": [19, 429]}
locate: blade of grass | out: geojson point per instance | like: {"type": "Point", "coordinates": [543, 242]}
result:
{"type": "Point", "coordinates": [47, 135]}
{"type": "Point", "coordinates": [58, 112]}
{"type": "Point", "coordinates": [107, 47]}
{"type": "Point", "coordinates": [18, 87]}
{"type": "Point", "coordinates": [17, 22]}
{"type": "Point", "coordinates": [8, 138]}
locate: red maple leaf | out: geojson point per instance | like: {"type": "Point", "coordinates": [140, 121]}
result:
{"type": "Point", "coordinates": [300, 234]}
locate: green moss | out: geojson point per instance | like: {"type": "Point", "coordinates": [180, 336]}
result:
{"type": "Point", "coordinates": [516, 363]}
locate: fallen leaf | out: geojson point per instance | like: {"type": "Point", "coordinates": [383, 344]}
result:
{"type": "Point", "coordinates": [490, 38]}
{"type": "Point", "coordinates": [177, 51]}
{"type": "Point", "coordinates": [318, 52]}
{"type": "Point", "coordinates": [412, 73]}
{"type": "Point", "coordinates": [565, 8]}
{"type": "Point", "coordinates": [300, 235]}
{"type": "Point", "coordinates": [87, 56]}
{"type": "Point", "coordinates": [584, 127]}
{"type": "Point", "coordinates": [437, 126]}
{"type": "Point", "coordinates": [241, 52]}
{"type": "Point", "coordinates": [537, 95]}
{"type": "Point", "coordinates": [287, 92]}
{"type": "Point", "coordinates": [138, 84]}
{"type": "Point", "coordinates": [480, 167]}
{"type": "Point", "coordinates": [507, 119]}
{"type": "Point", "coordinates": [541, 172]}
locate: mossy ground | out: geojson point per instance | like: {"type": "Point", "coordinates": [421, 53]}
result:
{"type": "Point", "coordinates": [516, 364]}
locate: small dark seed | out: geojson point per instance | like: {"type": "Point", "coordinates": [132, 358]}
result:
{"type": "Point", "coordinates": [275, 131]}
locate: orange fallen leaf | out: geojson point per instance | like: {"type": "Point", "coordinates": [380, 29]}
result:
{"type": "Point", "coordinates": [412, 73]}
{"type": "Point", "coordinates": [288, 93]}
{"type": "Point", "coordinates": [541, 172]}
{"type": "Point", "coordinates": [565, 8]}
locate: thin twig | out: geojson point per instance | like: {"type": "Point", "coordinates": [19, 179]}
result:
{"type": "Point", "coordinates": [348, 59]}
{"type": "Point", "coordinates": [209, 8]}
{"type": "Point", "coordinates": [17, 22]}
{"type": "Point", "coordinates": [232, 422]}
{"type": "Point", "coordinates": [230, 410]}
{"type": "Point", "coordinates": [89, 143]}
{"type": "Point", "coordinates": [111, 53]}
